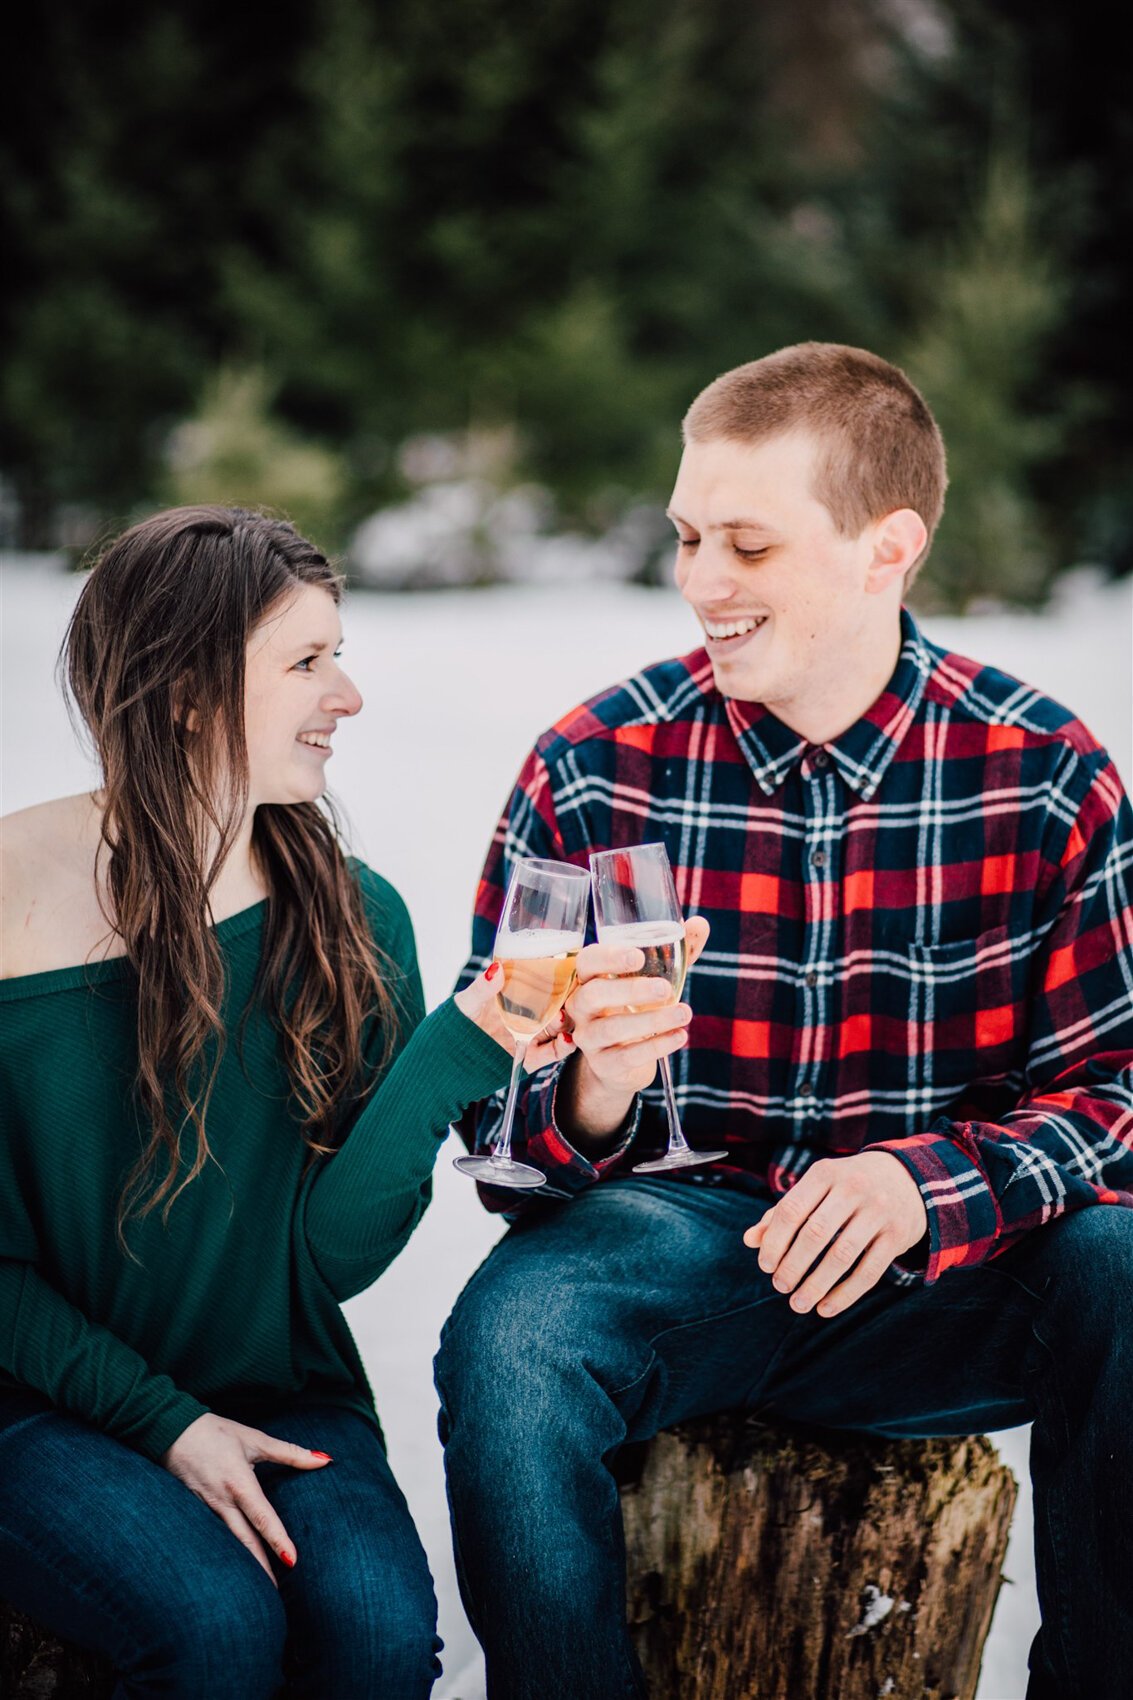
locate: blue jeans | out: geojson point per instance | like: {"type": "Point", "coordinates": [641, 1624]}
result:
{"type": "Point", "coordinates": [636, 1305]}
{"type": "Point", "coordinates": [109, 1550]}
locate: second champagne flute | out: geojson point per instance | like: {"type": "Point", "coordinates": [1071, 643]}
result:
{"type": "Point", "coordinates": [635, 903]}
{"type": "Point", "coordinates": [541, 931]}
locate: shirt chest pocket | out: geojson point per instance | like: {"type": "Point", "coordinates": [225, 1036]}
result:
{"type": "Point", "coordinates": [963, 1006]}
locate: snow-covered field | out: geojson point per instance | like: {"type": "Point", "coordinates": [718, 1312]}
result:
{"type": "Point", "coordinates": [456, 687]}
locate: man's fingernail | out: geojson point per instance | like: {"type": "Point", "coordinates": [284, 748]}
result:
{"type": "Point", "coordinates": [325, 1455]}
{"type": "Point", "coordinates": [491, 973]}
{"type": "Point", "coordinates": [287, 1558]}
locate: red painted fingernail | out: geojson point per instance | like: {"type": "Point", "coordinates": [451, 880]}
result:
{"type": "Point", "coordinates": [492, 971]}
{"type": "Point", "coordinates": [325, 1455]}
{"type": "Point", "coordinates": [569, 1037]}
{"type": "Point", "coordinates": [287, 1558]}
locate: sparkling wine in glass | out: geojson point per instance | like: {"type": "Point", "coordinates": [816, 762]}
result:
{"type": "Point", "coordinates": [635, 904]}
{"type": "Point", "coordinates": [541, 931]}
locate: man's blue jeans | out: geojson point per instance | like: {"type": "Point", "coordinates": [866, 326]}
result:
{"type": "Point", "coordinates": [108, 1549]}
{"type": "Point", "coordinates": [636, 1305]}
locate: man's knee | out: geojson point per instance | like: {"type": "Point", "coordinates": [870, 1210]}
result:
{"type": "Point", "coordinates": [504, 1349]}
{"type": "Point", "coordinates": [536, 1355]}
{"type": "Point", "coordinates": [1092, 1251]}
{"type": "Point", "coordinates": [1088, 1267]}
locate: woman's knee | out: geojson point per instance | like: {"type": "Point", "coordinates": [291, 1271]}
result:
{"type": "Point", "coordinates": [224, 1636]}
{"type": "Point", "coordinates": [375, 1640]}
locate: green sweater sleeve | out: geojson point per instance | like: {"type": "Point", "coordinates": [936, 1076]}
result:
{"type": "Point", "coordinates": [46, 1343]}
{"type": "Point", "coordinates": [364, 1201]}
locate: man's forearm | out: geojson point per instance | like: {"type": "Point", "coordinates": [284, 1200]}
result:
{"type": "Point", "coordinates": [591, 1115]}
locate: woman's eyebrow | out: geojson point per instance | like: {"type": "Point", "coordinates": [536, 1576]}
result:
{"type": "Point", "coordinates": [316, 646]}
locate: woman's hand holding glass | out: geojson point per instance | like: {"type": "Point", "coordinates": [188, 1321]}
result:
{"type": "Point", "coordinates": [538, 939]}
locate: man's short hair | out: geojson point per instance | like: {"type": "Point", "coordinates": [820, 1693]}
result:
{"type": "Point", "coordinates": [879, 445]}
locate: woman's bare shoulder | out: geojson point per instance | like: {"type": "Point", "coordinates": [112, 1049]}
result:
{"type": "Point", "coordinates": [49, 913]}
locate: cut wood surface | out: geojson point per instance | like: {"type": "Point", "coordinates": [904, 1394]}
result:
{"type": "Point", "coordinates": [773, 1565]}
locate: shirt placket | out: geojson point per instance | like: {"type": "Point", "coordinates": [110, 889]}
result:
{"type": "Point", "coordinates": [822, 847]}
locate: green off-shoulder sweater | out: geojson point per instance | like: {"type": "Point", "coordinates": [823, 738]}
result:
{"type": "Point", "coordinates": [233, 1305]}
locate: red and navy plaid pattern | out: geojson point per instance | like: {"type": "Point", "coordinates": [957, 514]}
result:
{"type": "Point", "coordinates": [922, 938]}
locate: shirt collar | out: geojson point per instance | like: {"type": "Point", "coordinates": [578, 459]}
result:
{"type": "Point", "coordinates": [861, 753]}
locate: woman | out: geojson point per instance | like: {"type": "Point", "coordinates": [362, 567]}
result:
{"type": "Point", "coordinates": [221, 1106]}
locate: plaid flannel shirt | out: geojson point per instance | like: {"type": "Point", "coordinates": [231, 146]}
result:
{"type": "Point", "coordinates": [922, 939]}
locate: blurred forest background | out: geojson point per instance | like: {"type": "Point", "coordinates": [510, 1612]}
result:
{"type": "Point", "coordinates": [464, 265]}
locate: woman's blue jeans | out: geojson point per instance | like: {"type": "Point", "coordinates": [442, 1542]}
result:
{"type": "Point", "coordinates": [109, 1550]}
{"type": "Point", "coordinates": [636, 1305]}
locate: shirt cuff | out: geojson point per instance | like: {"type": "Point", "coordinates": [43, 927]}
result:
{"type": "Point", "coordinates": [963, 1217]}
{"type": "Point", "coordinates": [609, 1159]}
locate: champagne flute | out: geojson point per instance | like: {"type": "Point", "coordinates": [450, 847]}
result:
{"type": "Point", "coordinates": [541, 931]}
{"type": "Point", "coordinates": [635, 904]}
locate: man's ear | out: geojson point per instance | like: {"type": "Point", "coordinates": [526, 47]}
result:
{"type": "Point", "coordinates": [898, 541]}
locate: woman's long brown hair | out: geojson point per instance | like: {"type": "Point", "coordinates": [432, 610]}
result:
{"type": "Point", "coordinates": [155, 666]}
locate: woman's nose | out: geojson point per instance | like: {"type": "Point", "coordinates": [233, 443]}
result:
{"type": "Point", "coordinates": [344, 697]}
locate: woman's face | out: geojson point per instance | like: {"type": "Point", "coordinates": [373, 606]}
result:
{"type": "Point", "coordinates": [295, 694]}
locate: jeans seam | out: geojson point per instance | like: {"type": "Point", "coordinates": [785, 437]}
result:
{"type": "Point", "coordinates": [679, 1328]}
{"type": "Point", "coordinates": [1046, 1391]}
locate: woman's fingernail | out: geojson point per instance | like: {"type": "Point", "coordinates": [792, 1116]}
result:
{"type": "Point", "coordinates": [287, 1558]}
{"type": "Point", "coordinates": [569, 1037]}
{"type": "Point", "coordinates": [325, 1455]}
{"type": "Point", "coordinates": [491, 973]}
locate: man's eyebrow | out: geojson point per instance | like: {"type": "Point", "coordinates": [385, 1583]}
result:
{"type": "Point", "coordinates": [750, 524]}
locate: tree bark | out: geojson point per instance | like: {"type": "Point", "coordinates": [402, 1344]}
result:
{"type": "Point", "coordinates": [772, 1565]}
{"type": "Point", "coordinates": [35, 1666]}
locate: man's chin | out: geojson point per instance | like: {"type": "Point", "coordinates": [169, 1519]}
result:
{"type": "Point", "coordinates": [733, 680]}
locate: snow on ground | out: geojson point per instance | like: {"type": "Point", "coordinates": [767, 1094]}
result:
{"type": "Point", "coordinates": [456, 688]}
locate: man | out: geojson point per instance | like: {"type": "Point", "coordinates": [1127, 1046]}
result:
{"type": "Point", "coordinates": [913, 1033]}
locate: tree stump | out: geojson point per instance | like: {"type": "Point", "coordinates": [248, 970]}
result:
{"type": "Point", "coordinates": [35, 1666]}
{"type": "Point", "coordinates": [772, 1565]}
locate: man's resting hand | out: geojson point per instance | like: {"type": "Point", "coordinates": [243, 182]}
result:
{"type": "Point", "coordinates": [846, 1221]}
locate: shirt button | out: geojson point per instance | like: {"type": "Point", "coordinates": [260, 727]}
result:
{"type": "Point", "coordinates": [806, 1090]}
{"type": "Point", "coordinates": [821, 759]}
{"type": "Point", "coordinates": [818, 858]}
{"type": "Point", "coordinates": [812, 978]}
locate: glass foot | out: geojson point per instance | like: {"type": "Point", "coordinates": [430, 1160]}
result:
{"type": "Point", "coordinates": [676, 1160]}
{"type": "Point", "coordinates": [500, 1171]}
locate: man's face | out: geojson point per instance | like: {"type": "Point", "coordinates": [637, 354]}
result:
{"type": "Point", "coordinates": [780, 593]}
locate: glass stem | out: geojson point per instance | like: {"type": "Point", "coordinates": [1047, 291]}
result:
{"type": "Point", "coordinates": [677, 1140]}
{"type": "Point", "coordinates": [502, 1153]}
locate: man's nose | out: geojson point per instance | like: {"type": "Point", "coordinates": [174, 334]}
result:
{"type": "Point", "coordinates": [704, 576]}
